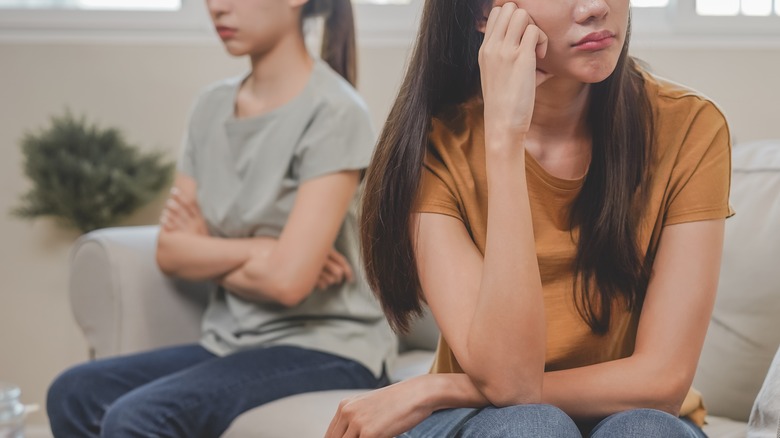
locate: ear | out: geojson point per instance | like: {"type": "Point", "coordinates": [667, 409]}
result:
{"type": "Point", "coordinates": [482, 24]}
{"type": "Point", "coordinates": [487, 6]}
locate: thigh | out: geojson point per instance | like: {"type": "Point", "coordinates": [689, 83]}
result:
{"type": "Point", "coordinates": [108, 379]}
{"type": "Point", "coordinates": [650, 423]}
{"type": "Point", "coordinates": [203, 400]}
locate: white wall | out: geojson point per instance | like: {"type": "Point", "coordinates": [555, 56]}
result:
{"type": "Point", "coordinates": [146, 90]}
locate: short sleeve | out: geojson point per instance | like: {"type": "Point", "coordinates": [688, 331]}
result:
{"type": "Point", "coordinates": [437, 192]}
{"type": "Point", "coordinates": [701, 179]}
{"type": "Point", "coordinates": [186, 162]}
{"type": "Point", "coordinates": [336, 139]}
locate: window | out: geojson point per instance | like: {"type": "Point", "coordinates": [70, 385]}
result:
{"type": "Point", "coordinates": [747, 8]}
{"type": "Point", "coordinates": [126, 5]}
{"type": "Point", "coordinates": [379, 22]}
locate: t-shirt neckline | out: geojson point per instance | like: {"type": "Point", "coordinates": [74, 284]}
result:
{"type": "Point", "coordinates": [253, 120]}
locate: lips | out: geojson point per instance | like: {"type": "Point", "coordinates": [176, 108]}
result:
{"type": "Point", "coordinates": [595, 41]}
{"type": "Point", "coordinates": [226, 32]}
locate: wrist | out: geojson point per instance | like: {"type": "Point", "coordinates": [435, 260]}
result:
{"type": "Point", "coordinates": [505, 145]}
{"type": "Point", "coordinates": [431, 391]}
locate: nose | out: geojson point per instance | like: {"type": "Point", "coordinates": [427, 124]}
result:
{"type": "Point", "coordinates": [590, 10]}
{"type": "Point", "coordinates": [217, 8]}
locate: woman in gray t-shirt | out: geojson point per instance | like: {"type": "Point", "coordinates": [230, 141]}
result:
{"type": "Point", "coordinates": [263, 208]}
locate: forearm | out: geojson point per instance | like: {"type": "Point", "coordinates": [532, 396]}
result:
{"type": "Point", "coordinates": [196, 257]}
{"type": "Point", "coordinates": [596, 391]}
{"type": "Point", "coordinates": [252, 280]}
{"type": "Point", "coordinates": [270, 275]}
{"type": "Point", "coordinates": [586, 393]}
{"type": "Point", "coordinates": [508, 328]}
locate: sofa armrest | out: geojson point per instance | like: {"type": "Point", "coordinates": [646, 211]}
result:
{"type": "Point", "coordinates": [121, 300]}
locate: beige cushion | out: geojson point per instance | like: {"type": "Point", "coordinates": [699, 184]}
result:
{"type": "Point", "coordinates": [745, 328]}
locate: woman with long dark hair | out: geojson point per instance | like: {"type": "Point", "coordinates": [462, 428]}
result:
{"type": "Point", "coordinates": [264, 208]}
{"type": "Point", "coordinates": [561, 211]}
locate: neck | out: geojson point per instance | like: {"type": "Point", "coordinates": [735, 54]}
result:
{"type": "Point", "coordinates": [559, 137]}
{"type": "Point", "coordinates": [280, 73]}
{"type": "Point", "coordinates": [560, 110]}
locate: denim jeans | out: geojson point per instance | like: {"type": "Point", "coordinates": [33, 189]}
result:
{"type": "Point", "coordinates": [545, 421]}
{"type": "Point", "coordinates": [187, 391]}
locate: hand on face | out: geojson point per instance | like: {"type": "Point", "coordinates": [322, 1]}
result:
{"type": "Point", "coordinates": [183, 214]}
{"type": "Point", "coordinates": [508, 65]}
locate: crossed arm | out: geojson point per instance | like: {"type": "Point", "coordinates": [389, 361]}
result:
{"type": "Point", "coordinates": [283, 270]}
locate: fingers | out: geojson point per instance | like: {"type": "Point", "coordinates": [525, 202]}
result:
{"type": "Point", "coordinates": [534, 42]}
{"type": "Point", "coordinates": [172, 217]}
{"type": "Point", "coordinates": [333, 272]}
{"type": "Point", "coordinates": [491, 22]}
{"type": "Point", "coordinates": [336, 270]}
{"type": "Point", "coordinates": [338, 425]}
{"type": "Point", "coordinates": [343, 263]}
{"type": "Point", "coordinates": [188, 205]}
{"type": "Point", "coordinates": [520, 20]}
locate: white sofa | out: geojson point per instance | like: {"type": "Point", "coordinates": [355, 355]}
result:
{"type": "Point", "coordinates": [124, 304]}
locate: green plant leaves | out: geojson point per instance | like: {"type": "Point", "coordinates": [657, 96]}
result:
{"type": "Point", "coordinates": [88, 177]}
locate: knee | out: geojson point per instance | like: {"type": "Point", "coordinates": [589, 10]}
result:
{"type": "Point", "coordinates": [539, 421]}
{"type": "Point", "coordinates": [123, 419]}
{"type": "Point", "coordinates": [141, 414]}
{"type": "Point", "coordinates": [69, 398]}
{"type": "Point", "coordinates": [641, 423]}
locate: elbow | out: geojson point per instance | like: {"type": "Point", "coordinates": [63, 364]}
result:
{"type": "Point", "coordinates": [670, 398]}
{"type": "Point", "coordinates": [283, 289]}
{"type": "Point", "coordinates": [511, 390]}
{"type": "Point", "coordinates": [164, 258]}
{"type": "Point", "coordinates": [291, 295]}
{"type": "Point", "coordinates": [670, 395]}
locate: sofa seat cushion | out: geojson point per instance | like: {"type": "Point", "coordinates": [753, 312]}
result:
{"type": "Point", "coordinates": [719, 427]}
{"type": "Point", "coordinates": [308, 415]}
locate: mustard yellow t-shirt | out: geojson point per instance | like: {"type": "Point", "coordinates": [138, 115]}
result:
{"type": "Point", "coordinates": [690, 181]}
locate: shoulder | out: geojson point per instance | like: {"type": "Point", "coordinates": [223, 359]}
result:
{"type": "Point", "coordinates": [456, 129]}
{"type": "Point", "coordinates": [215, 98]}
{"type": "Point", "coordinates": [332, 94]}
{"type": "Point", "coordinates": [677, 106]}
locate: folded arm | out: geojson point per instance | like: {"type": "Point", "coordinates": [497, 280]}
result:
{"type": "Point", "coordinates": [184, 247]}
{"type": "Point", "coordinates": [284, 270]}
{"type": "Point", "coordinates": [288, 270]}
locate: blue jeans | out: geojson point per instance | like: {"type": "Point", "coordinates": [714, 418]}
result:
{"type": "Point", "coordinates": [187, 391]}
{"type": "Point", "coordinates": [545, 421]}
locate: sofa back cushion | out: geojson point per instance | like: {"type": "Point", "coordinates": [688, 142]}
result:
{"type": "Point", "coordinates": [744, 332]}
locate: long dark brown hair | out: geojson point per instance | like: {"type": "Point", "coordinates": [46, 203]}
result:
{"type": "Point", "coordinates": [338, 41]}
{"type": "Point", "coordinates": [444, 71]}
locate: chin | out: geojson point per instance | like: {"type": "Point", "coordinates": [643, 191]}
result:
{"type": "Point", "coordinates": [235, 48]}
{"type": "Point", "coordinates": [595, 72]}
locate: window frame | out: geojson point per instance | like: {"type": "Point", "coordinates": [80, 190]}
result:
{"type": "Point", "coordinates": [189, 21]}
{"type": "Point", "coordinates": [676, 25]}
{"type": "Point", "coordinates": [685, 20]}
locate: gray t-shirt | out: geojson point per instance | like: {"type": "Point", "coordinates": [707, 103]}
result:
{"type": "Point", "coordinates": [248, 172]}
